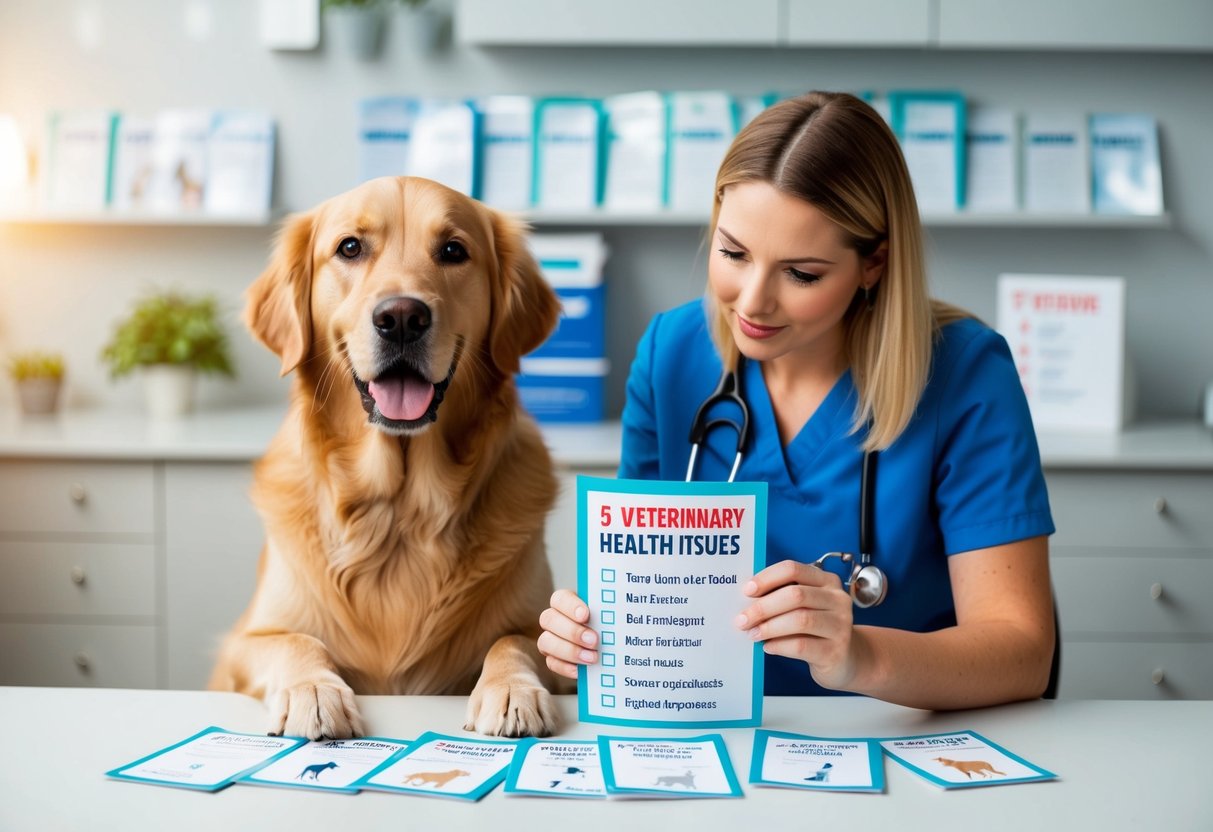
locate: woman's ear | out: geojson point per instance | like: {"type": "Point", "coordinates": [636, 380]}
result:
{"type": "Point", "coordinates": [278, 304]}
{"type": "Point", "coordinates": [525, 309]}
{"type": "Point", "coordinates": [874, 265]}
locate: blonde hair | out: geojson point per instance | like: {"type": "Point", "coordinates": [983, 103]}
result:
{"type": "Point", "coordinates": [835, 152]}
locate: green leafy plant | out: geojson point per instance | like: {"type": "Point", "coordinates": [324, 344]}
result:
{"type": "Point", "coordinates": [34, 364]}
{"type": "Point", "coordinates": [168, 328]}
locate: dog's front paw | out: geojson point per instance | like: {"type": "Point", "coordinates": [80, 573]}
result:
{"type": "Point", "coordinates": [316, 710]}
{"type": "Point", "coordinates": [519, 709]}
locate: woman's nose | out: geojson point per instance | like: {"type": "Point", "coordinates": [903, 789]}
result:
{"type": "Point", "coordinates": [757, 296]}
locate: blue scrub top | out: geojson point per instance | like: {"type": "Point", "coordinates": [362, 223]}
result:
{"type": "Point", "coordinates": [964, 475]}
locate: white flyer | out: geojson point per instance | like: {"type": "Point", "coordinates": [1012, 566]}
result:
{"type": "Point", "coordinates": [208, 761]}
{"type": "Point", "coordinates": [328, 765]}
{"type": "Point", "coordinates": [661, 566]}
{"type": "Point", "coordinates": [668, 767]}
{"type": "Point", "coordinates": [962, 759]}
{"type": "Point", "coordinates": [1056, 173]}
{"type": "Point", "coordinates": [556, 768]}
{"type": "Point", "coordinates": [992, 173]}
{"type": "Point", "coordinates": [931, 129]}
{"type": "Point", "coordinates": [443, 766]}
{"type": "Point", "coordinates": [798, 761]}
{"type": "Point", "coordinates": [1067, 335]}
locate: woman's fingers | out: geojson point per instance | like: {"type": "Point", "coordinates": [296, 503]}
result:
{"type": "Point", "coordinates": [566, 601]}
{"type": "Point", "coordinates": [789, 572]}
{"type": "Point", "coordinates": [795, 599]}
{"type": "Point", "coordinates": [565, 640]}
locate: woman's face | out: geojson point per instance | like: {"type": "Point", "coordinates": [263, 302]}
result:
{"type": "Point", "coordinates": [782, 275]}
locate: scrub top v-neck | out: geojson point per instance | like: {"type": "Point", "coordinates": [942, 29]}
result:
{"type": "Point", "coordinates": [964, 475]}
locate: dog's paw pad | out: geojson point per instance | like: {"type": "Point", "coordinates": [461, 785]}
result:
{"type": "Point", "coordinates": [520, 710]}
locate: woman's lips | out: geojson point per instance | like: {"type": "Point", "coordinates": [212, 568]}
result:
{"type": "Point", "coordinates": [757, 331]}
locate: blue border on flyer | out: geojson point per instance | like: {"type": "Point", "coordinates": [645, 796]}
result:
{"type": "Point", "coordinates": [758, 490]}
{"type": "Point", "coordinates": [484, 788]}
{"type": "Point", "coordinates": [520, 753]}
{"type": "Point", "coordinates": [1044, 774]}
{"type": "Point", "coordinates": [758, 755]}
{"type": "Point", "coordinates": [722, 753]}
{"type": "Point", "coordinates": [252, 780]}
{"type": "Point", "coordinates": [117, 774]}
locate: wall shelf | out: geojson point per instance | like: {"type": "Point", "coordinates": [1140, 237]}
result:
{"type": "Point", "coordinates": [139, 219]}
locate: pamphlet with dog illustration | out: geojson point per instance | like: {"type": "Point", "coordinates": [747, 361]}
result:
{"type": "Point", "coordinates": [443, 766]}
{"type": "Point", "coordinates": [798, 761]}
{"type": "Point", "coordinates": [208, 761]}
{"type": "Point", "coordinates": [674, 767]}
{"type": "Point", "coordinates": [556, 768]}
{"type": "Point", "coordinates": [661, 566]}
{"type": "Point", "coordinates": [962, 760]}
{"type": "Point", "coordinates": [328, 765]}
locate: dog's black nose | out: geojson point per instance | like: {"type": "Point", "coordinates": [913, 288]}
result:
{"type": "Point", "coordinates": [401, 320]}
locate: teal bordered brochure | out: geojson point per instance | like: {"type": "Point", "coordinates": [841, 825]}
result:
{"type": "Point", "coordinates": [667, 767]}
{"type": "Point", "coordinates": [798, 761]}
{"type": "Point", "coordinates": [327, 765]}
{"type": "Point", "coordinates": [208, 761]}
{"type": "Point", "coordinates": [556, 768]}
{"type": "Point", "coordinates": [443, 766]}
{"type": "Point", "coordinates": [661, 566]}
{"type": "Point", "coordinates": [961, 760]}
{"type": "Point", "coordinates": [931, 129]}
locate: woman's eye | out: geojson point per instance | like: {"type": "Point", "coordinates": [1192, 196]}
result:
{"type": "Point", "coordinates": [802, 277]}
{"type": "Point", "coordinates": [453, 252]}
{"type": "Point", "coordinates": [349, 248]}
{"type": "Point", "coordinates": [729, 254]}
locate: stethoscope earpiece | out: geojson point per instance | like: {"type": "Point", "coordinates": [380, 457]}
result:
{"type": "Point", "coordinates": [867, 584]}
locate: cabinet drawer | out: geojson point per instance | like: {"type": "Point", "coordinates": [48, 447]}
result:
{"type": "Point", "coordinates": [1117, 595]}
{"type": "Point", "coordinates": [77, 497]}
{"type": "Point", "coordinates": [66, 655]}
{"type": "Point", "coordinates": [1136, 671]}
{"type": "Point", "coordinates": [1140, 510]}
{"type": "Point", "coordinates": [58, 578]}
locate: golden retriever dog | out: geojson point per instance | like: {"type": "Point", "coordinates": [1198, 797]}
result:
{"type": "Point", "coordinates": [405, 494]}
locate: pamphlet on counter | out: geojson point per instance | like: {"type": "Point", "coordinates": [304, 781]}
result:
{"type": "Point", "coordinates": [208, 761]}
{"type": "Point", "coordinates": [798, 761]}
{"type": "Point", "coordinates": [327, 765]}
{"type": "Point", "coordinates": [961, 760]}
{"type": "Point", "coordinates": [667, 767]}
{"type": "Point", "coordinates": [661, 566]}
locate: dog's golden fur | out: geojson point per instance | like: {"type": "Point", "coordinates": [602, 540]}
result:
{"type": "Point", "coordinates": [401, 556]}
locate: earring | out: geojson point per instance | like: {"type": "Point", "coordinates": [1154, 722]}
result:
{"type": "Point", "coordinates": [869, 297]}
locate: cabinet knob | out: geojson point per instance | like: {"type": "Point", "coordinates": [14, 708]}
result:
{"type": "Point", "coordinates": [83, 662]}
{"type": "Point", "coordinates": [1160, 505]}
{"type": "Point", "coordinates": [78, 576]}
{"type": "Point", "coordinates": [78, 494]}
{"type": "Point", "coordinates": [1158, 676]}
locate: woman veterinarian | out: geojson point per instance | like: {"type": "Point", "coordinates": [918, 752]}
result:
{"type": "Point", "coordinates": [816, 284]}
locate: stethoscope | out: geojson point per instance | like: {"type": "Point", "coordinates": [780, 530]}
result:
{"type": "Point", "coordinates": [867, 583]}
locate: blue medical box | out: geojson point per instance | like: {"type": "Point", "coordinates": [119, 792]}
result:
{"type": "Point", "coordinates": [563, 390]}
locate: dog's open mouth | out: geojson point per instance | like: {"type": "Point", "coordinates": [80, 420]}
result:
{"type": "Point", "coordinates": [401, 398]}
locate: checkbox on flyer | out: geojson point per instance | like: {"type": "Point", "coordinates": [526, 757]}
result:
{"type": "Point", "coordinates": [608, 659]}
{"type": "Point", "coordinates": [608, 576]}
{"type": "Point", "coordinates": [608, 636]}
{"type": "Point", "coordinates": [608, 681]}
{"type": "Point", "coordinates": [608, 596]}
{"type": "Point", "coordinates": [608, 701]}
{"type": "Point", "coordinates": [608, 616]}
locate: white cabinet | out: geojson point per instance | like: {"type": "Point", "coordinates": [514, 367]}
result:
{"type": "Point", "coordinates": [1181, 25]}
{"type": "Point", "coordinates": [858, 23]}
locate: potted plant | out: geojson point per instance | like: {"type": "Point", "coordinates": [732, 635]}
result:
{"type": "Point", "coordinates": [38, 377]}
{"type": "Point", "coordinates": [361, 23]}
{"type": "Point", "coordinates": [170, 338]}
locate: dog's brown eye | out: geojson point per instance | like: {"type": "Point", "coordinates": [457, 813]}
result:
{"type": "Point", "coordinates": [453, 252]}
{"type": "Point", "coordinates": [350, 248]}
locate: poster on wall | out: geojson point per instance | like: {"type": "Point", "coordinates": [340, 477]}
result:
{"type": "Point", "coordinates": [1067, 335]}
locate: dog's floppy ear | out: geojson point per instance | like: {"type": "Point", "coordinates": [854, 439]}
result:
{"type": "Point", "coordinates": [525, 308]}
{"type": "Point", "coordinates": [278, 304]}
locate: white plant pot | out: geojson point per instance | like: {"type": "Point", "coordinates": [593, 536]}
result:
{"type": "Point", "coordinates": [359, 29]}
{"type": "Point", "coordinates": [168, 390]}
{"type": "Point", "coordinates": [38, 396]}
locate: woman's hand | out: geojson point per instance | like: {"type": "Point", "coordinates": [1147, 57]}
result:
{"type": "Point", "coordinates": [565, 640]}
{"type": "Point", "coordinates": [803, 612]}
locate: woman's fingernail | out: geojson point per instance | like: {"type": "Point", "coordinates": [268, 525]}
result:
{"type": "Point", "coordinates": [740, 621]}
{"type": "Point", "coordinates": [588, 656]}
{"type": "Point", "coordinates": [582, 613]}
{"type": "Point", "coordinates": [750, 588]}
{"type": "Point", "coordinates": [754, 634]}
{"type": "Point", "coordinates": [588, 637]}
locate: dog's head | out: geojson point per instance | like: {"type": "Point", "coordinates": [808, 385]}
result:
{"type": "Point", "coordinates": [405, 286]}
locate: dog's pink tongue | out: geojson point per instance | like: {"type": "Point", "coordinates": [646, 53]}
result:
{"type": "Point", "coordinates": [402, 399]}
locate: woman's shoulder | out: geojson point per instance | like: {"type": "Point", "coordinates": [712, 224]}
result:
{"type": "Point", "coordinates": [686, 321]}
{"type": "Point", "coordinates": [967, 343]}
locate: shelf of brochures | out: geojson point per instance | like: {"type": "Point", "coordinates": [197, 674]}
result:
{"type": "Point", "coordinates": [631, 219]}
{"type": "Point", "coordinates": [138, 219]}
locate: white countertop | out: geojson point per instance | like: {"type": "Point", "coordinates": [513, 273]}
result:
{"type": "Point", "coordinates": [238, 434]}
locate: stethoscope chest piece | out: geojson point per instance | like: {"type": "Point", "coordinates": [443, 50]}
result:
{"type": "Point", "coordinates": [867, 583]}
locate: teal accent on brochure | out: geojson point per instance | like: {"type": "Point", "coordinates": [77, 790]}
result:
{"type": "Point", "coordinates": [208, 761]}
{"type": "Point", "coordinates": [662, 573]}
{"type": "Point", "coordinates": [556, 768]}
{"type": "Point", "coordinates": [800, 761]}
{"type": "Point", "coordinates": [438, 765]}
{"type": "Point", "coordinates": [962, 759]}
{"type": "Point", "coordinates": [326, 765]}
{"type": "Point", "coordinates": [667, 767]}
{"type": "Point", "coordinates": [570, 138]}
{"type": "Point", "coordinates": [931, 129]}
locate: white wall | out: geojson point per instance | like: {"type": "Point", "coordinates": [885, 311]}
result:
{"type": "Point", "coordinates": [62, 287]}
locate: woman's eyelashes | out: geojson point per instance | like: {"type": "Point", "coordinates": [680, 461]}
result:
{"type": "Point", "coordinates": [730, 254]}
{"type": "Point", "coordinates": [796, 275]}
